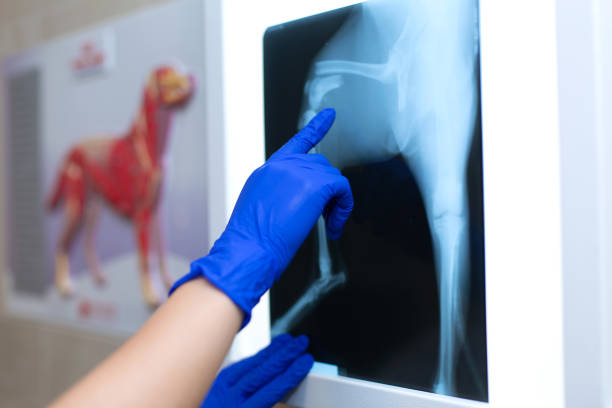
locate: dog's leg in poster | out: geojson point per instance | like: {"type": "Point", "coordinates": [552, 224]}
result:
{"type": "Point", "coordinates": [72, 187]}
{"type": "Point", "coordinates": [72, 221]}
{"type": "Point", "coordinates": [91, 225]}
{"type": "Point", "coordinates": [143, 239]}
{"type": "Point", "coordinates": [161, 252]}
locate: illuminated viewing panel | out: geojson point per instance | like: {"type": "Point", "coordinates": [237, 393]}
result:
{"type": "Point", "coordinates": [400, 298]}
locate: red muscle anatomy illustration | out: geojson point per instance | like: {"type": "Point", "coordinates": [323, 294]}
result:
{"type": "Point", "coordinates": [126, 173]}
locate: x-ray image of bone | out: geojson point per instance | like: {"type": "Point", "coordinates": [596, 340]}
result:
{"type": "Point", "coordinates": [402, 76]}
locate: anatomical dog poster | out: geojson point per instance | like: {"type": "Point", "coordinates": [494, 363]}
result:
{"type": "Point", "coordinates": [399, 298]}
{"type": "Point", "coordinates": [105, 169]}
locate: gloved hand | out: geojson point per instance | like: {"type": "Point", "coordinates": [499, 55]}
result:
{"type": "Point", "coordinates": [264, 379]}
{"type": "Point", "coordinates": [277, 208]}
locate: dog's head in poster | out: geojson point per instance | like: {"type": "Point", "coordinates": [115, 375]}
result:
{"type": "Point", "coordinates": [171, 85]}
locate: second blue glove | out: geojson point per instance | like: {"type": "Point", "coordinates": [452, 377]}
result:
{"type": "Point", "coordinates": [264, 379]}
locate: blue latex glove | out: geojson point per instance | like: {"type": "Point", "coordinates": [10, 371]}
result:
{"type": "Point", "coordinates": [277, 208]}
{"type": "Point", "coordinates": [264, 379]}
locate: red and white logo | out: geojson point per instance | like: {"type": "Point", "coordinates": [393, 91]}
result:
{"type": "Point", "coordinates": [89, 57]}
{"type": "Point", "coordinates": [88, 309]}
{"type": "Point", "coordinates": [94, 53]}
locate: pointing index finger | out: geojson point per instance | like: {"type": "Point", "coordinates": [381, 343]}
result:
{"type": "Point", "coordinates": [309, 136]}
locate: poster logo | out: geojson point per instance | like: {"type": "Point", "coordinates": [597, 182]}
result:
{"type": "Point", "coordinates": [90, 57]}
{"type": "Point", "coordinates": [95, 310]}
{"type": "Point", "coordinates": [94, 54]}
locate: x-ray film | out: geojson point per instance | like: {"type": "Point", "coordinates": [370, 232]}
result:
{"type": "Point", "coordinates": [399, 298]}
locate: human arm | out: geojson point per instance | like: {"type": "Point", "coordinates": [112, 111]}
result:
{"type": "Point", "coordinates": [172, 360]}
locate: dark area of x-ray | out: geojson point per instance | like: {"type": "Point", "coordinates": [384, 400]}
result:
{"type": "Point", "coordinates": [374, 303]}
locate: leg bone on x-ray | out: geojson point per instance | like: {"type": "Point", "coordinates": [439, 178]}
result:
{"type": "Point", "coordinates": [402, 76]}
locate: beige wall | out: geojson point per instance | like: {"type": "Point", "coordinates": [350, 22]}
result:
{"type": "Point", "coordinates": [38, 361]}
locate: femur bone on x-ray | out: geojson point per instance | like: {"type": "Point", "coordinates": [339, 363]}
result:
{"type": "Point", "coordinates": [402, 76]}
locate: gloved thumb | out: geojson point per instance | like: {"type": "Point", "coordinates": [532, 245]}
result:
{"type": "Point", "coordinates": [338, 208]}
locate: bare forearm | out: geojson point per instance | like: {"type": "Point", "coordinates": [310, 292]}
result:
{"type": "Point", "coordinates": [171, 360]}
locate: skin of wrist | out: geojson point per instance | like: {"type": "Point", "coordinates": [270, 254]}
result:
{"type": "Point", "coordinates": [200, 290]}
